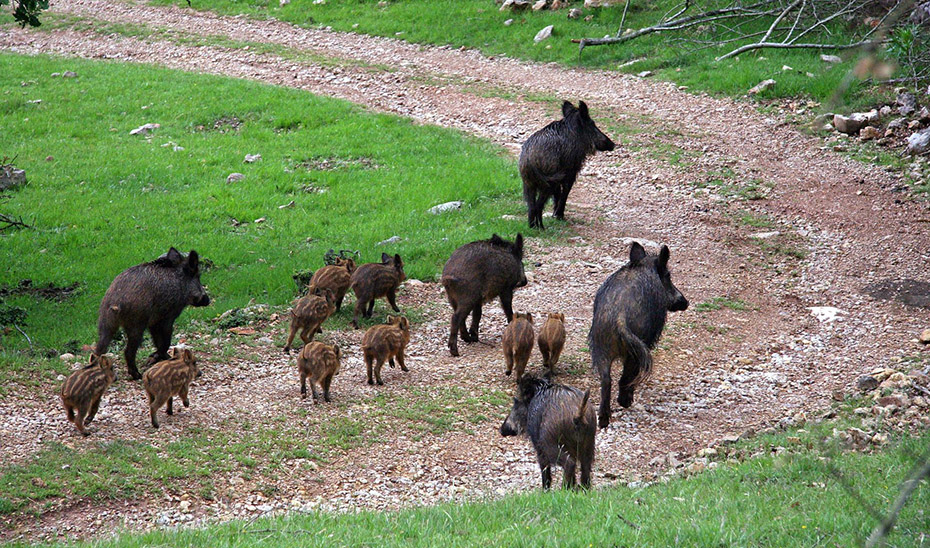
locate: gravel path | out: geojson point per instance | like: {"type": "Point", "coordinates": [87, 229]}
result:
{"type": "Point", "coordinates": [840, 229]}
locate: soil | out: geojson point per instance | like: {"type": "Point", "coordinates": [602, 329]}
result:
{"type": "Point", "coordinates": [748, 354]}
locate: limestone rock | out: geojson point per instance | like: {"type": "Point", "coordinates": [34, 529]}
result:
{"type": "Point", "coordinates": [11, 177]}
{"type": "Point", "coordinates": [543, 34]}
{"type": "Point", "coordinates": [918, 142]}
{"type": "Point", "coordinates": [869, 132]}
{"type": "Point", "coordinates": [925, 336]}
{"type": "Point", "coordinates": [574, 13]}
{"type": "Point", "coordinates": [252, 158]}
{"type": "Point", "coordinates": [145, 129]}
{"type": "Point", "coordinates": [442, 208]}
{"type": "Point", "coordinates": [234, 177]}
{"type": "Point", "coordinates": [761, 86]}
{"type": "Point", "coordinates": [867, 383]}
{"type": "Point", "coordinates": [830, 58]}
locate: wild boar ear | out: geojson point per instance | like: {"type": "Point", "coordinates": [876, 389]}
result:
{"type": "Point", "coordinates": [583, 109]}
{"type": "Point", "coordinates": [174, 256]}
{"type": "Point", "coordinates": [187, 355]}
{"type": "Point", "coordinates": [336, 350]}
{"type": "Point", "coordinates": [567, 108]}
{"type": "Point", "coordinates": [637, 253]}
{"type": "Point", "coordinates": [663, 258]}
{"type": "Point", "coordinates": [193, 261]}
{"type": "Point", "coordinates": [397, 261]}
{"type": "Point", "coordinates": [529, 317]}
{"type": "Point", "coordinates": [93, 358]}
{"type": "Point", "coordinates": [385, 257]}
{"type": "Point", "coordinates": [562, 317]}
{"type": "Point", "coordinates": [518, 245]}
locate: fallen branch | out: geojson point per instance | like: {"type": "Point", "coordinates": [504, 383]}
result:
{"type": "Point", "coordinates": [908, 487]}
{"type": "Point", "coordinates": [781, 45]}
{"type": "Point", "coordinates": [11, 222]}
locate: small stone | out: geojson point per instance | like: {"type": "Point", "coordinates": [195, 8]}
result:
{"type": "Point", "coordinates": [885, 111]}
{"type": "Point", "coordinates": [707, 452]}
{"type": "Point", "coordinates": [543, 34]}
{"type": "Point", "coordinates": [898, 123]}
{"type": "Point", "coordinates": [252, 158]}
{"type": "Point", "coordinates": [786, 68]}
{"type": "Point", "coordinates": [868, 133]}
{"type": "Point", "coordinates": [880, 439]}
{"type": "Point", "coordinates": [69, 74]}
{"type": "Point", "coordinates": [391, 240]}
{"type": "Point", "coordinates": [830, 58]}
{"type": "Point", "coordinates": [539, 5]}
{"type": "Point", "coordinates": [764, 235]}
{"type": "Point", "coordinates": [283, 3]}
{"type": "Point", "coordinates": [866, 383]}
{"type": "Point", "coordinates": [761, 87]}
{"type": "Point", "coordinates": [443, 208]}
{"type": "Point", "coordinates": [185, 506]}
{"type": "Point", "coordinates": [145, 129]}
{"type": "Point", "coordinates": [645, 74]}
{"type": "Point", "coordinates": [925, 337]}
{"type": "Point", "coordinates": [508, 22]}
{"type": "Point", "coordinates": [907, 103]}
{"type": "Point", "coordinates": [234, 177]}
{"type": "Point", "coordinates": [574, 13]}
{"type": "Point", "coordinates": [66, 357]}
{"type": "Point", "coordinates": [730, 438]}
{"type": "Point", "coordinates": [897, 400]}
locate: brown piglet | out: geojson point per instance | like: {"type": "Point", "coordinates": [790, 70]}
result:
{"type": "Point", "coordinates": [551, 340]}
{"type": "Point", "coordinates": [319, 362]}
{"type": "Point", "coordinates": [308, 315]}
{"type": "Point", "coordinates": [82, 391]}
{"type": "Point", "coordinates": [170, 378]}
{"type": "Point", "coordinates": [337, 278]}
{"type": "Point", "coordinates": [383, 343]}
{"type": "Point", "coordinates": [375, 280]}
{"type": "Point", "coordinates": [518, 343]}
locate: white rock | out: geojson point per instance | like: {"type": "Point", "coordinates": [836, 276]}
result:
{"type": "Point", "coordinates": [543, 34]}
{"type": "Point", "coordinates": [826, 314]}
{"type": "Point", "coordinates": [66, 357]}
{"type": "Point", "coordinates": [765, 235]}
{"type": "Point", "coordinates": [144, 129]}
{"type": "Point", "coordinates": [391, 240]}
{"type": "Point", "coordinates": [830, 58]}
{"type": "Point", "coordinates": [442, 208]}
{"type": "Point", "coordinates": [234, 177]}
{"type": "Point", "coordinates": [645, 74]}
{"type": "Point", "coordinates": [761, 86]}
{"type": "Point", "coordinates": [918, 142]}
{"type": "Point", "coordinates": [252, 158]}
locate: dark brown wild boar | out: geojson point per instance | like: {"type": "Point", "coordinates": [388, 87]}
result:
{"type": "Point", "coordinates": [82, 390]}
{"type": "Point", "coordinates": [308, 315]}
{"type": "Point", "coordinates": [551, 340]}
{"type": "Point", "coordinates": [630, 309]}
{"type": "Point", "coordinates": [319, 362]}
{"type": "Point", "coordinates": [552, 157]}
{"type": "Point", "coordinates": [475, 274]}
{"type": "Point", "coordinates": [518, 343]}
{"type": "Point", "coordinates": [560, 424]}
{"type": "Point", "coordinates": [149, 296]}
{"type": "Point", "coordinates": [169, 378]}
{"type": "Point", "coordinates": [337, 278]}
{"type": "Point", "coordinates": [375, 280]}
{"type": "Point", "coordinates": [383, 343]}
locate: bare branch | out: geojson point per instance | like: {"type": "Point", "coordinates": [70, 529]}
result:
{"type": "Point", "coordinates": [908, 487]}
{"type": "Point", "coordinates": [10, 222]}
{"type": "Point", "coordinates": [781, 45]}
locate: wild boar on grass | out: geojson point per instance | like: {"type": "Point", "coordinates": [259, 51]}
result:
{"type": "Point", "coordinates": [149, 296]}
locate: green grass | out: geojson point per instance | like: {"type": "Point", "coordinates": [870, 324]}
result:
{"type": "Point", "coordinates": [786, 494]}
{"type": "Point", "coordinates": [722, 302]}
{"type": "Point", "coordinates": [478, 24]}
{"type": "Point", "coordinates": [106, 200]}
{"type": "Point", "coordinates": [124, 469]}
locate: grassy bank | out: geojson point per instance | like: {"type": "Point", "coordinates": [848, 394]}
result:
{"type": "Point", "coordinates": [332, 175]}
{"type": "Point", "coordinates": [788, 493]}
{"type": "Point", "coordinates": [479, 24]}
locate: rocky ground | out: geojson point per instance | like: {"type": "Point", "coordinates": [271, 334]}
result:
{"type": "Point", "coordinates": [798, 263]}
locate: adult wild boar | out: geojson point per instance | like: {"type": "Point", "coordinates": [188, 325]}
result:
{"type": "Point", "coordinates": [475, 274]}
{"type": "Point", "coordinates": [149, 296]}
{"type": "Point", "coordinates": [552, 157]}
{"type": "Point", "coordinates": [629, 314]}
